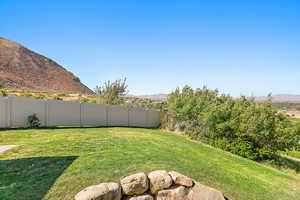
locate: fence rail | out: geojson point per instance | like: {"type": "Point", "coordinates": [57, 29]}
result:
{"type": "Point", "coordinates": [15, 110]}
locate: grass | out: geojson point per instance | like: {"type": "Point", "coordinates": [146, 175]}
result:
{"type": "Point", "coordinates": [295, 154]}
{"type": "Point", "coordinates": [58, 163]}
{"type": "Point", "coordinates": [294, 119]}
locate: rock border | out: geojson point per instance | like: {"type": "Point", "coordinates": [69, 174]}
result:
{"type": "Point", "coordinates": [157, 185]}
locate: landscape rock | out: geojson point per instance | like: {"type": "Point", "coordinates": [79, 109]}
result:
{"type": "Point", "coordinates": [180, 179]}
{"type": "Point", "coordinates": [179, 193]}
{"type": "Point", "coordinates": [141, 197]}
{"type": "Point", "coordinates": [163, 186]}
{"type": "Point", "coordinates": [159, 180]}
{"type": "Point", "coordinates": [135, 184]}
{"type": "Point", "coordinates": [203, 192]}
{"type": "Point", "coordinates": [103, 191]}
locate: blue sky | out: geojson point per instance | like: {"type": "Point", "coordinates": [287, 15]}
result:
{"type": "Point", "coordinates": [239, 47]}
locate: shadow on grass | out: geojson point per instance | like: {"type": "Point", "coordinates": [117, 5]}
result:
{"type": "Point", "coordinates": [283, 163]}
{"type": "Point", "coordinates": [30, 178]}
{"type": "Point", "coordinates": [75, 127]}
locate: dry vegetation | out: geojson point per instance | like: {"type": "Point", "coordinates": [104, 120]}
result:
{"type": "Point", "coordinates": [128, 101]}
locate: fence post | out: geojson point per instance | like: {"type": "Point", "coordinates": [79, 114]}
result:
{"type": "Point", "coordinates": [106, 113]}
{"type": "Point", "coordinates": [128, 111]}
{"type": "Point", "coordinates": [45, 113]}
{"type": "Point", "coordinates": [9, 111]}
{"type": "Point", "coordinates": [6, 116]}
{"type": "Point", "coordinates": [147, 116]}
{"type": "Point", "coordinates": [80, 112]}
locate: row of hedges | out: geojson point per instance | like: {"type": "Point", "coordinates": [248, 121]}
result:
{"type": "Point", "coordinates": [242, 126]}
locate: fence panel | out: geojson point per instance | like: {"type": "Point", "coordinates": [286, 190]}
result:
{"type": "Point", "coordinates": [21, 108]}
{"type": "Point", "coordinates": [117, 116]}
{"type": "Point", "coordinates": [93, 114]}
{"type": "Point", "coordinates": [137, 117]}
{"type": "Point", "coordinates": [15, 110]}
{"type": "Point", "coordinates": [3, 113]}
{"type": "Point", "coordinates": [153, 118]}
{"type": "Point", "coordinates": [63, 113]}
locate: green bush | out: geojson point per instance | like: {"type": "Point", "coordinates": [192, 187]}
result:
{"type": "Point", "coordinates": [28, 95]}
{"type": "Point", "coordinates": [40, 96]}
{"type": "Point", "coordinates": [112, 92]}
{"type": "Point", "coordinates": [3, 93]}
{"type": "Point", "coordinates": [242, 126]}
{"type": "Point", "coordinates": [57, 98]}
{"type": "Point", "coordinates": [62, 95]}
{"type": "Point", "coordinates": [33, 121]}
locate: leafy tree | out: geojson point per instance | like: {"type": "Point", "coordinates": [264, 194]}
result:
{"type": "Point", "coordinates": [112, 92]}
{"type": "Point", "coordinates": [242, 126]}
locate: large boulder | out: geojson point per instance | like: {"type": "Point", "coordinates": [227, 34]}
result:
{"type": "Point", "coordinates": [180, 179]}
{"type": "Point", "coordinates": [179, 193]}
{"type": "Point", "coordinates": [203, 192]}
{"type": "Point", "coordinates": [141, 197]}
{"type": "Point", "coordinates": [135, 184]}
{"type": "Point", "coordinates": [159, 180]}
{"type": "Point", "coordinates": [103, 191]}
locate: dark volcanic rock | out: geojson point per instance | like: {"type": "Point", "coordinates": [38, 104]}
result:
{"type": "Point", "coordinates": [21, 68]}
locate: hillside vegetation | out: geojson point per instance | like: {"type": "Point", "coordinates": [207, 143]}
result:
{"type": "Point", "coordinates": [58, 163]}
{"type": "Point", "coordinates": [129, 101]}
{"type": "Point", "coordinates": [254, 130]}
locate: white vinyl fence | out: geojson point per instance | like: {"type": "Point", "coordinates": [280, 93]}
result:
{"type": "Point", "coordinates": [15, 110]}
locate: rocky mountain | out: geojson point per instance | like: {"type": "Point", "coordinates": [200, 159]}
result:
{"type": "Point", "coordinates": [21, 68]}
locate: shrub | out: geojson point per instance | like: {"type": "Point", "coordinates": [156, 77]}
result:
{"type": "Point", "coordinates": [62, 95]}
{"type": "Point", "coordinates": [33, 121]}
{"type": "Point", "coordinates": [112, 92]}
{"type": "Point", "coordinates": [3, 93]}
{"type": "Point", "coordinates": [57, 98]}
{"type": "Point", "coordinates": [40, 96]}
{"type": "Point", "coordinates": [242, 126]}
{"type": "Point", "coordinates": [28, 95]}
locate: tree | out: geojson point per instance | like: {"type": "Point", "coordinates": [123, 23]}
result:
{"type": "Point", "coordinates": [254, 130]}
{"type": "Point", "coordinates": [111, 92]}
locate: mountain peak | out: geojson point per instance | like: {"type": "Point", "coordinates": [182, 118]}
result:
{"type": "Point", "coordinates": [8, 43]}
{"type": "Point", "coordinates": [21, 68]}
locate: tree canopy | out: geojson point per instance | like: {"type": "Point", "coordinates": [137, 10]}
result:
{"type": "Point", "coordinates": [242, 126]}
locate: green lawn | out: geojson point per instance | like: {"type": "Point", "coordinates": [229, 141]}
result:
{"type": "Point", "coordinates": [58, 163]}
{"type": "Point", "coordinates": [295, 154]}
{"type": "Point", "coordinates": [294, 119]}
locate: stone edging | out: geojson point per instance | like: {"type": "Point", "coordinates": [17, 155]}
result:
{"type": "Point", "coordinates": [159, 185]}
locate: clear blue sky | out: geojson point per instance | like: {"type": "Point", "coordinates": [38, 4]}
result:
{"type": "Point", "coordinates": [240, 47]}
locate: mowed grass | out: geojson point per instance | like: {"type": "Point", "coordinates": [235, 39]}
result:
{"type": "Point", "coordinates": [295, 154]}
{"type": "Point", "coordinates": [58, 163]}
{"type": "Point", "coordinates": [294, 119]}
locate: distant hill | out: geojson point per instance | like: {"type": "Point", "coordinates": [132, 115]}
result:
{"type": "Point", "coordinates": [156, 97]}
{"type": "Point", "coordinates": [21, 68]}
{"type": "Point", "coordinates": [290, 98]}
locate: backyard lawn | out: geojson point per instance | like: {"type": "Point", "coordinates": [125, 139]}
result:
{"type": "Point", "coordinates": [58, 163]}
{"type": "Point", "coordinates": [295, 154]}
